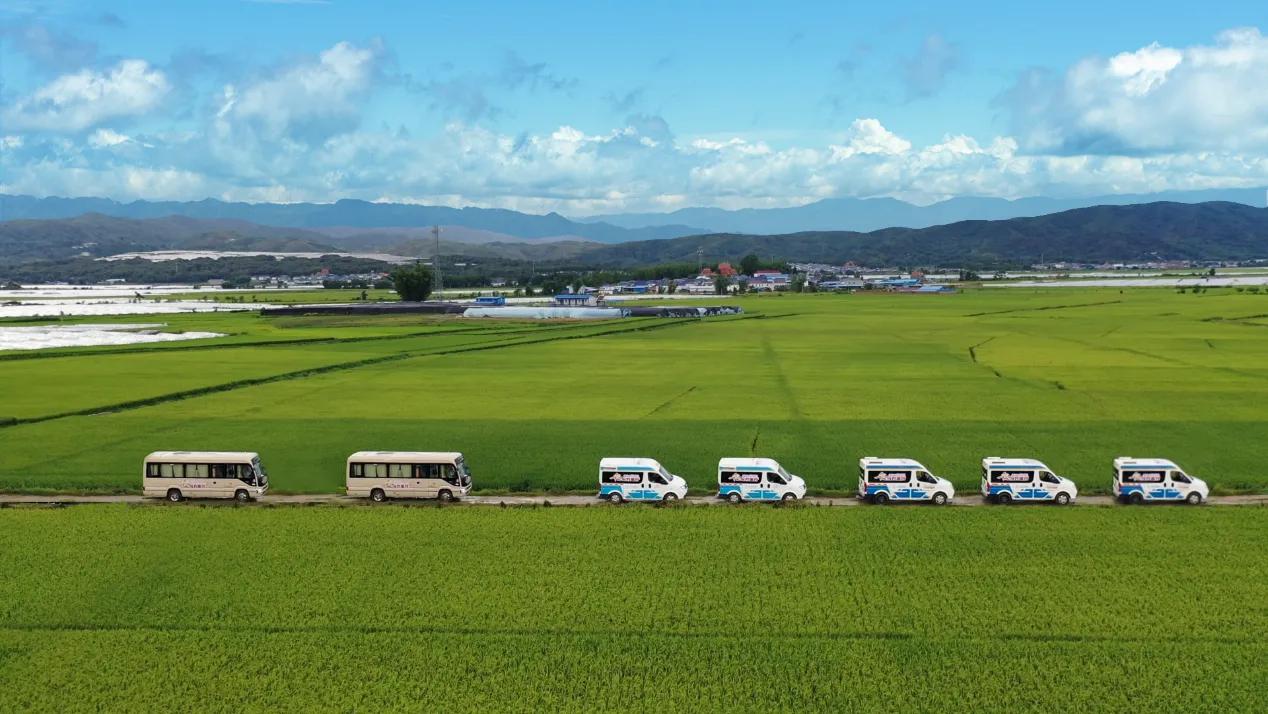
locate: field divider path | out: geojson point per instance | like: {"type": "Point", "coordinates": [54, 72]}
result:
{"type": "Point", "coordinates": [326, 369]}
{"type": "Point", "coordinates": [1045, 307]}
{"type": "Point", "coordinates": [570, 500]}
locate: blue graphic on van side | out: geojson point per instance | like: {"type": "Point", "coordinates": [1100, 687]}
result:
{"type": "Point", "coordinates": [1153, 494]}
{"type": "Point", "coordinates": [1028, 493]}
{"type": "Point", "coordinates": [751, 495]}
{"type": "Point", "coordinates": [906, 493]}
{"type": "Point", "coordinates": [633, 494]}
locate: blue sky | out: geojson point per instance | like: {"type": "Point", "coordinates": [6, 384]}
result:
{"type": "Point", "coordinates": [601, 107]}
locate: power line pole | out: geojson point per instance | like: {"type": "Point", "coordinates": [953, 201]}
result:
{"type": "Point", "coordinates": [435, 263]}
{"type": "Point", "coordinates": [700, 259]}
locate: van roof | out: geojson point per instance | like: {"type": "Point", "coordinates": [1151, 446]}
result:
{"type": "Point", "coordinates": [617, 462]}
{"type": "Point", "coordinates": [1122, 461]}
{"type": "Point", "coordinates": [885, 461]}
{"type": "Point", "coordinates": [733, 461]}
{"type": "Point", "coordinates": [1011, 462]}
{"type": "Point", "coordinates": [198, 457]}
{"type": "Point", "coordinates": [404, 457]}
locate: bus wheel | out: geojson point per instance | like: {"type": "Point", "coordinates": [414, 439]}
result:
{"type": "Point", "coordinates": [615, 497]}
{"type": "Point", "coordinates": [378, 496]}
{"type": "Point", "coordinates": [670, 497]}
{"type": "Point", "coordinates": [1194, 499]}
{"type": "Point", "coordinates": [241, 496]}
{"type": "Point", "coordinates": [1063, 499]}
{"type": "Point", "coordinates": [1004, 498]}
{"type": "Point", "coordinates": [174, 495]}
{"type": "Point", "coordinates": [445, 496]}
{"type": "Point", "coordinates": [880, 498]}
{"type": "Point", "coordinates": [939, 499]}
{"type": "Point", "coordinates": [735, 497]}
{"type": "Point", "coordinates": [1136, 498]}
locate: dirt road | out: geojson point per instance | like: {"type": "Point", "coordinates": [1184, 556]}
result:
{"type": "Point", "coordinates": [573, 500]}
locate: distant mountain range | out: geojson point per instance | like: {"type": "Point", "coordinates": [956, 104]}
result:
{"type": "Point", "coordinates": [1153, 231]}
{"type": "Point", "coordinates": [511, 225]}
{"type": "Point", "coordinates": [486, 225]}
{"type": "Point", "coordinates": [870, 214]}
{"type": "Point", "coordinates": [1145, 232]}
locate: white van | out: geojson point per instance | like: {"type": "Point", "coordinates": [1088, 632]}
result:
{"type": "Point", "coordinates": [637, 479]}
{"type": "Point", "coordinates": [1007, 480]}
{"type": "Point", "coordinates": [177, 475]}
{"type": "Point", "coordinates": [885, 480]}
{"type": "Point", "coordinates": [381, 475]}
{"type": "Point", "coordinates": [1139, 480]}
{"type": "Point", "coordinates": [741, 479]}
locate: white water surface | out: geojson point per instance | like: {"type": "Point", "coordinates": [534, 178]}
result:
{"type": "Point", "coordinates": [49, 336]}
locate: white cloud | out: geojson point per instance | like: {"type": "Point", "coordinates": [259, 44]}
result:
{"type": "Point", "coordinates": [80, 100]}
{"type": "Point", "coordinates": [103, 138]}
{"type": "Point", "coordinates": [1154, 100]}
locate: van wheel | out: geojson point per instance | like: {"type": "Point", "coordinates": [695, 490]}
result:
{"type": "Point", "coordinates": [880, 498]}
{"type": "Point", "coordinates": [445, 496]}
{"type": "Point", "coordinates": [939, 499]}
{"type": "Point", "coordinates": [788, 497]}
{"type": "Point", "coordinates": [670, 497]}
{"type": "Point", "coordinates": [174, 495]}
{"type": "Point", "coordinates": [734, 497]}
{"type": "Point", "coordinates": [241, 496]}
{"type": "Point", "coordinates": [1136, 498]}
{"type": "Point", "coordinates": [1004, 498]}
{"type": "Point", "coordinates": [378, 496]}
{"type": "Point", "coordinates": [615, 497]}
{"type": "Point", "coordinates": [1063, 499]}
{"type": "Point", "coordinates": [1193, 499]}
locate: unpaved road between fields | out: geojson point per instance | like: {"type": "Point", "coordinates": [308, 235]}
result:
{"type": "Point", "coordinates": [572, 500]}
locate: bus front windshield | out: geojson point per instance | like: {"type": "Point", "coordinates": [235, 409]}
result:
{"type": "Point", "coordinates": [261, 474]}
{"type": "Point", "coordinates": [463, 474]}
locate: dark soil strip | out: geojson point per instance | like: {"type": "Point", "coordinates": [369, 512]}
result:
{"type": "Point", "coordinates": [301, 374]}
{"type": "Point", "coordinates": [1040, 309]}
{"type": "Point", "coordinates": [671, 401]}
{"type": "Point", "coordinates": [973, 349]}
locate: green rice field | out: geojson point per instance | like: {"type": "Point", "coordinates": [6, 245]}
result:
{"type": "Point", "coordinates": [127, 608]}
{"type": "Point", "coordinates": [1074, 377]}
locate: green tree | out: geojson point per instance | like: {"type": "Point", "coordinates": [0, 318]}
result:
{"type": "Point", "coordinates": [750, 264]}
{"type": "Point", "coordinates": [412, 282]}
{"type": "Point", "coordinates": [720, 284]}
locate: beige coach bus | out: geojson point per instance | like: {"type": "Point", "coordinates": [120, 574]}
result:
{"type": "Point", "coordinates": [177, 475]}
{"type": "Point", "coordinates": [381, 475]}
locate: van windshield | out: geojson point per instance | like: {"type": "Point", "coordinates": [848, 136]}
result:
{"type": "Point", "coordinates": [784, 473]}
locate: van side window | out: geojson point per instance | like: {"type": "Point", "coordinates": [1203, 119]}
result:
{"type": "Point", "coordinates": [924, 477]}
{"type": "Point", "coordinates": [657, 478]}
{"type": "Point", "coordinates": [776, 478]}
{"type": "Point", "coordinates": [1047, 477]}
{"type": "Point", "coordinates": [1179, 477]}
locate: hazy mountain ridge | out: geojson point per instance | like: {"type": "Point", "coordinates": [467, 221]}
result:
{"type": "Point", "coordinates": [346, 213]}
{"type": "Point", "coordinates": [870, 214]}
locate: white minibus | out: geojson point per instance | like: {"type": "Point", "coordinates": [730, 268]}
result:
{"type": "Point", "coordinates": [1005, 480]}
{"type": "Point", "coordinates": [381, 475]}
{"type": "Point", "coordinates": [176, 475]}
{"type": "Point", "coordinates": [743, 479]}
{"type": "Point", "coordinates": [638, 479]}
{"type": "Point", "coordinates": [1139, 480]}
{"type": "Point", "coordinates": [882, 480]}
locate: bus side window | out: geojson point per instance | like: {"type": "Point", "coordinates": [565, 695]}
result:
{"type": "Point", "coordinates": [152, 470]}
{"type": "Point", "coordinates": [399, 471]}
{"type": "Point", "coordinates": [448, 472]}
{"type": "Point", "coordinates": [356, 471]}
{"type": "Point", "coordinates": [171, 470]}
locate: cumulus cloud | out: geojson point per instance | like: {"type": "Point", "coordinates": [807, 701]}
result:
{"type": "Point", "coordinates": [1152, 100]}
{"type": "Point", "coordinates": [307, 101]}
{"type": "Point", "coordinates": [80, 100]}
